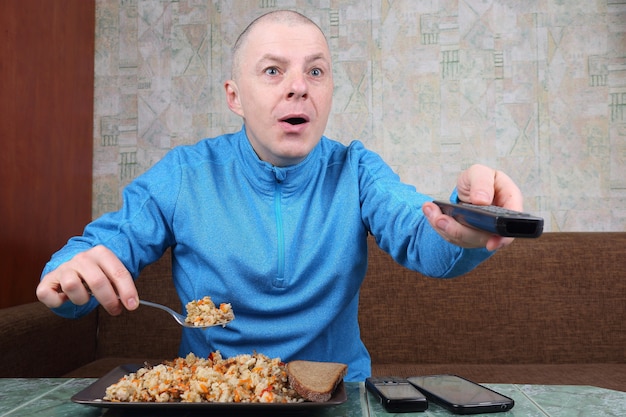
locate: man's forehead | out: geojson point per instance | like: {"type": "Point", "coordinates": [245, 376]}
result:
{"type": "Point", "coordinates": [273, 34]}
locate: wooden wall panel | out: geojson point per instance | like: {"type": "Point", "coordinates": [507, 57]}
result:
{"type": "Point", "coordinates": [46, 130]}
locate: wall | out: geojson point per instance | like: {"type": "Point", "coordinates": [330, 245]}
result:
{"type": "Point", "coordinates": [46, 130]}
{"type": "Point", "coordinates": [535, 88]}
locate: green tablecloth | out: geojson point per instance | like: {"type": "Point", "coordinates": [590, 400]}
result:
{"type": "Point", "coordinates": [50, 397]}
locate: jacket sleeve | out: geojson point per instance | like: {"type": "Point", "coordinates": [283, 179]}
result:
{"type": "Point", "coordinates": [392, 212]}
{"type": "Point", "coordinates": [137, 234]}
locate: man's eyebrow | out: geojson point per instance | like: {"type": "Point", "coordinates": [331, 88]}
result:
{"type": "Point", "coordinates": [272, 58]}
{"type": "Point", "coordinates": [315, 57]}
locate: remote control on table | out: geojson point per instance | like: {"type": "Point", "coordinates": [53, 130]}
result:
{"type": "Point", "coordinates": [494, 219]}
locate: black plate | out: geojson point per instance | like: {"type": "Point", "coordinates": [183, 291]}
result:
{"type": "Point", "coordinates": [93, 394]}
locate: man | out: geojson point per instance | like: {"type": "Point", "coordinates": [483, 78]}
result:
{"type": "Point", "coordinates": [274, 218]}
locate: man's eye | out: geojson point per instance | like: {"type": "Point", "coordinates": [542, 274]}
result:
{"type": "Point", "coordinates": [271, 71]}
{"type": "Point", "coordinates": [316, 72]}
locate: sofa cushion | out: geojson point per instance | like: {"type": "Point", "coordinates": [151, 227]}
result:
{"type": "Point", "coordinates": [146, 332]}
{"type": "Point", "coordinates": [102, 366]}
{"type": "Point", "coordinates": [559, 299]}
{"type": "Point", "coordinates": [34, 342]}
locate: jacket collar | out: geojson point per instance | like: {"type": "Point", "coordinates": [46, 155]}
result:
{"type": "Point", "coordinates": [266, 177]}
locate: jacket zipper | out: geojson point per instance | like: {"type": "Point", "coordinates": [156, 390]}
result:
{"type": "Point", "coordinates": [279, 280]}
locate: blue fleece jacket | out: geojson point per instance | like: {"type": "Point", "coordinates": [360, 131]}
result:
{"type": "Point", "coordinates": [285, 246]}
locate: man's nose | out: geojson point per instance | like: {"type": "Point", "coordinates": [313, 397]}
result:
{"type": "Point", "coordinates": [298, 87]}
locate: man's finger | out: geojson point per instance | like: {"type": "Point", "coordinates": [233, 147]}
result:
{"type": "Point", "coordinates": [49, 293]}
{"type": "Point", "coordinates": [476, 185]}
{"type": "Point", "coordinates": [507, 193]}
{"type": "Point", "coordinates": [120, 278]}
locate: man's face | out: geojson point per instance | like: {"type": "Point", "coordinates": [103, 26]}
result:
{"type": "Point", "coordinates": [283, 90]}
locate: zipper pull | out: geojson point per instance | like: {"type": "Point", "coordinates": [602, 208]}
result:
{"type": "Point", "coordinates": [280, 174]}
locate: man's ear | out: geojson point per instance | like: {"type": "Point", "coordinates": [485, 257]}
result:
{"type": "Point", "coordinates": [232, 97]}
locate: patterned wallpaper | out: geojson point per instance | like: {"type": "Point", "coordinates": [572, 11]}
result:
{"type": "Point", "coordinates": [536, 88]}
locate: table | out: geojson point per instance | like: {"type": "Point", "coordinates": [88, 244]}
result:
{"type": "Point", "coordinates": [50, 397]}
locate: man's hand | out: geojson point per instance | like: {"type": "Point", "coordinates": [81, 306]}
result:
{"type": "Point", "coordinates": [478, 185]}
{"type": "Point", "coordinates": [96, 270]}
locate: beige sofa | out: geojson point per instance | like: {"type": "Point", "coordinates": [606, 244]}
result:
{"type": "Point", "coordinates": [543, 311]}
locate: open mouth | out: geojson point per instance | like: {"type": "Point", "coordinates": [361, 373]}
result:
{"type": "Point", "coordinates": [295, 120]}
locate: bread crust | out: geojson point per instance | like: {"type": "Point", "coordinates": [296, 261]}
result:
{"type": "Point", "coordinates": [315, 381]}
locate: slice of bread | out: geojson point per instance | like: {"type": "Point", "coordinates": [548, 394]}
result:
{"type": "Point", "coordinates": [315, 381]}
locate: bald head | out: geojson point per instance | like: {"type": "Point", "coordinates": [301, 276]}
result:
{"type": "Point", "coordinates": [286, 17]}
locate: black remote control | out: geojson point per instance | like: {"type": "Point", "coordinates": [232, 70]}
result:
{"type": "Point", "coordinates": [494, 219]}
